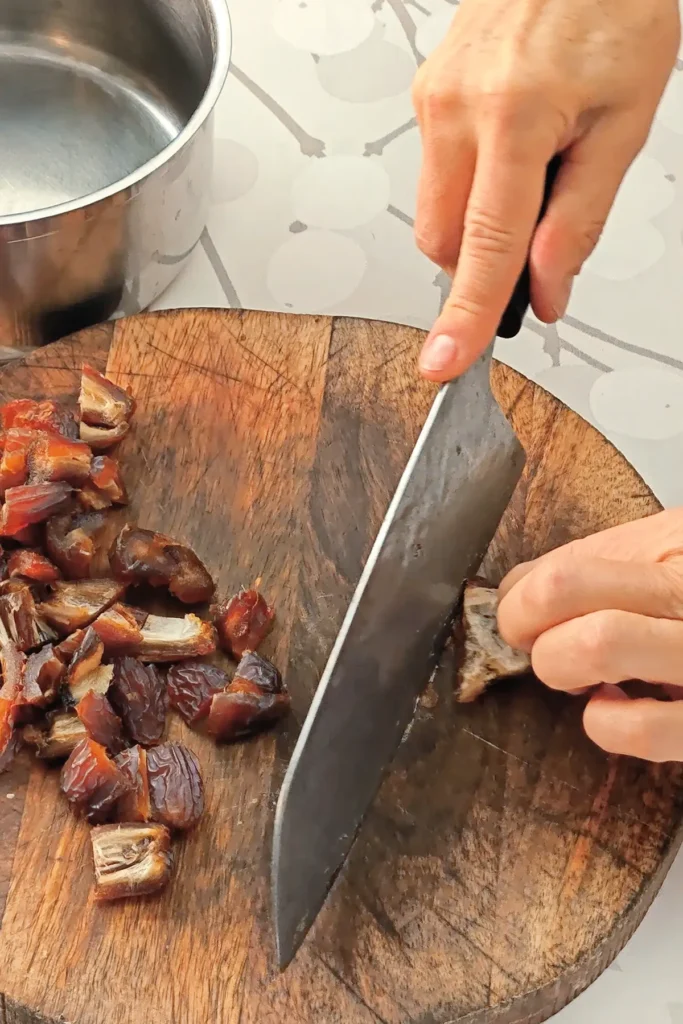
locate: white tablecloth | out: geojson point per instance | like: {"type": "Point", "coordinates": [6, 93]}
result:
{"type": "Point", "coordinates": [316, 161]}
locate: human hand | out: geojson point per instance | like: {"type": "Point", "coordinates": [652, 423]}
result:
{"type": "Point", "coordinates": [602, 611]}
{"type": "Point", "coordinates": [513, 83]}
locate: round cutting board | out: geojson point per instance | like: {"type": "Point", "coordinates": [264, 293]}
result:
{"type": "Point", "coordinates": [506, 859]}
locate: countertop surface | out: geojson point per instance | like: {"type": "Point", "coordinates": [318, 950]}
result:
{"type": "Point", "coordinates": [316, 162]}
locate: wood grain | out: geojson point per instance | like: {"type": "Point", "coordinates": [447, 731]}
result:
{"type": "Point", "coordinates": [506, 860]}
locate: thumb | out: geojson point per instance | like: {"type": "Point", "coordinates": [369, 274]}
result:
{"type": "Point", "coordinates": [592, 171]}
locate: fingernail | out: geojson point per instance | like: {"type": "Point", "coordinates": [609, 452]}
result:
{"type": "Point", "coordinates": [438, 353]}
{"type": "Point", "coordinates": [563, 294]}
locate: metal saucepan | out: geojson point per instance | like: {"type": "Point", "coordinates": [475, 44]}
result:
{"type": "Point", "coordinates": [105, 154]}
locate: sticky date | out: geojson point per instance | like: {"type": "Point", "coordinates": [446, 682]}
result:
{"type": "Point", "coordinates": [242, 709]}
{"type": "Point", "coordinates": [134, 805]}
{"type": "Point", "coordinates": [243, 622]}
{"type": "Point", "coordinates": [190, 686]}
{"type": "Point", "coordinates": [130, 860]}
{"type": "Point", "coordinates": [141, 556]}
{"type": "Point", "coordinates": [100, 721]}
{"type": "Point", "coordinates": [138, 693]}
{"type": "Point", "coordinates": [91, 781]}
{"type": "Point", "coordinates": [175, 786]}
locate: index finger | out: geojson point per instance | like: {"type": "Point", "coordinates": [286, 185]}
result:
{"type": "Point", "coordinates": [500, 219]}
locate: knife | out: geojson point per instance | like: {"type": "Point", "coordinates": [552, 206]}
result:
{"type": "Point", "coordinates": [441, 520]}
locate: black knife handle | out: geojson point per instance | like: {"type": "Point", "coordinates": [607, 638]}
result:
{"type": "Point", "coordinates": [519, 303]}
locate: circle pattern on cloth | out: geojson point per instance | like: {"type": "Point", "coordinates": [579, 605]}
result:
{"type": "Point", "coordinates": [340, 192]}
{"type": "Point", "coordinates": [314, 270]}
{"type": "Point", "coordinates": [373, 71]}
{"type": "Point", "coordinates": [323, 27]}
{"type": "Point", "coordinates": [630, 244]}
{"type": "Point", "coordinates": [642, 402]}
{"type": "Point", "coordinates": [238, 172]}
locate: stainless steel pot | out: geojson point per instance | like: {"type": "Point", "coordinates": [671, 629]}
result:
{"type": "Point", "coordinates": [105, 154]}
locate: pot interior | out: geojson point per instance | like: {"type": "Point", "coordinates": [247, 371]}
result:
{"type": "Point", "coordinates": [90, 90]}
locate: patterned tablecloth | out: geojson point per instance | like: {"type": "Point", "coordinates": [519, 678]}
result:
{"type": "Point", "coordinates": [316, 162]}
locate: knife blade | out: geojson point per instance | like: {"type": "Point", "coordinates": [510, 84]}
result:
{"type": "Point", "coordinates": [446, 509]}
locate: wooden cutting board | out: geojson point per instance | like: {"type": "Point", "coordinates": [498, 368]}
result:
{"type": "Point", "coordinates": [506, 860]}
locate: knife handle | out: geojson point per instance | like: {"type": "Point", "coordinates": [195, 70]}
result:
{"type": "Point", "coordinates": [519, 303]}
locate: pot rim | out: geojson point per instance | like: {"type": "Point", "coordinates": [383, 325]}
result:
{"type": "Point", "coordinates": [219, 74]}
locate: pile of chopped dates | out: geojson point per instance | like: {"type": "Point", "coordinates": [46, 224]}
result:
{"type": "Point", "coordinates": [87, 678]}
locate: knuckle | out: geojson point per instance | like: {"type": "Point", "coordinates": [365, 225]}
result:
{"type": "Point", "coordinates": [433, 245]}
{"type": "Point", "coordinates": [485, 234]}
{"type": "Point", "coordinates": [596, 638]}
{"type": "Point", "coordinates": [467, 304]}
{"type": "Point", "coordinates": [432, 98]}
{"type": "Point", "coordinates": [671, 582]}
{"type": "Point", "coordinates": [549, 584]}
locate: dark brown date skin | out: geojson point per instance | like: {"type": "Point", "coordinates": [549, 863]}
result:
{"type": "Point", "coordinates": [135, 805]}
{"type": "Point", "coordinates": [242, 709]}
{"type": "Point", "coordinates": [138, 693]}
{"type": "Point", "coordinates": [141, 556]}
{"type": "Point", "coordinates": [191, 684]}
{"type": "Point", "coordinates": [175, 786]}
{"type": "Point", "coordinates": [258, 670]}
{"type": "Point", "coordinates": [243, 622]}
{"type": "Point", "coordinates": [91, 782]}
{"type": "Point", "coordinates": [100, 721]}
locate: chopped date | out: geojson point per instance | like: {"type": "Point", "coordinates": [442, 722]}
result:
{"type": "Point", "coordinates": [31, 565]}
{"type": "Point", "coordinates": [43, 675]}
{"type": "Point", "coordinates": [100, 721]}
{"type": "Point", "coordinates": [243, 622]}
{"type": "Point", "coordinates": [74, 542]}
{"type": "Point", "coordinates": [52, 457]}
{"type": "Point", "coordinates": [191, 684]}
{"type": "Point", "coordinates": [175, 786]}
{"type": "Point", "coordinates": [98, 681]}
{"type": "Point", "coordinates": [103, 403]}
{"type": "Point", "coordinates": [76, 604]}
{"type": "Point", "coordinates": [106, 410]}
{"type": "Point", "coordinates": [63, 620]}
{"type": "Point", "coordinates": [166, 639]}
{"type": "Point", "coordinates": [130, 860]}
{"type": "Point", "coordinates": [106, 479]}
{"type": "Point", "coordinates": [253, 668]}
{"type": "Point", "coordinates": [135, 805]}
{"type": "Point", "coordinates": [86, 659]}
{"type": "Point", "coordinates": [102, 438]}
{"type": "Point", "coordinates": [12, 662]}
{"type": "Point", "coordinates": [67, 648]}
{"type": "Point", "coordinates": [33, 503]}
{"type": "Point", "coordinates": [61, 735]}
{"type": "Point", "coordinates": [20, 621]}
{"type": "Point", "coordinates": [138, 694]}
{"type": "Point", "coordinates": [141, 556]}
{"type": "Point", "coordinates": [242, 709]}
{"type": "Point", "coordinates": [14, 462]}
{"type": "Point", "coordinates": [120, 629]}
{"type": "Point", "coordinates": [45, 415]}
{"type": "Point", "coordinates": [91, 781]}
